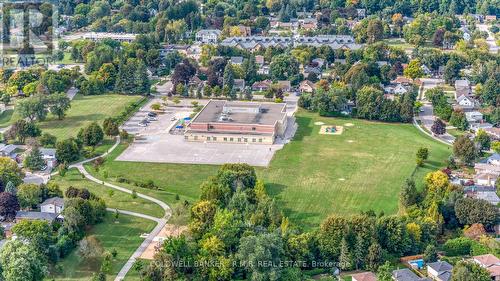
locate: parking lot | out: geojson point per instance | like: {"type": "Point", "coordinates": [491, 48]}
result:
{"type": "Point", "coordinates": [154, 143]}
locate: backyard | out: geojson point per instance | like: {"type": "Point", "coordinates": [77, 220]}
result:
{"type": "Point", "coordinates": [122, 235]}
{"type": "Point", "coordinates": [83, 111]}
{"type": "Point", "coordinates": [314, 175]}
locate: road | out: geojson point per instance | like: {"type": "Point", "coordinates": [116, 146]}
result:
{"type": "Point", "coordinates": [426, 115]}
{"type": "Point", "coordinates": [491, 39]}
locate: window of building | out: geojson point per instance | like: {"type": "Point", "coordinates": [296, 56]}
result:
{"type": "Point", "coordinates": [210, 127]}
{"type": "Point", "coordinates": [253, 128]}
{"type": "Point", "coordinates": [231, 139]}
{"type": "Point", "coordinates": [246, 140]}
{"type": "Point", "coordinates": [225, 139]}
{"type": "Point", "coordinates": [214, 138]}
{"type": "Point", "coordinates": [186, 137]}
{"type": "Point", "coordinates": [260, 140]}
{"type": "Point", "coordinates": [254, 140]}
{"type": "Point", "coordinates": [195, 137]}
{"type": "Point", "coordinates": [239, 139]}
{"type": "Point", "coordinates": [208, 138]}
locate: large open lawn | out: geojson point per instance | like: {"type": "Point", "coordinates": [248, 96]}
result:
{"type": "Point", "coordinates": [117, 200]}
{"type": "Point", "coordinates": [83, 111]}
{"type": "Point", "coordinates": [124, 236]}
{"type": "Point", "coordinates": [316, 175]}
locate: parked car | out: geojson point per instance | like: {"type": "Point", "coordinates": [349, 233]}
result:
{"type": "Point", "coordinates": [173, 118]}
{"type": "Point", "coordinates": [142, 124]}
{"type": "Point", "coordinates": [152, 114]}
{"type": "Point", "coordinates": [150, 118]}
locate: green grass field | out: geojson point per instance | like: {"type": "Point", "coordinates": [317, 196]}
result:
{"type": "Point", "coordinates": [119, 200]}
{"type": "Point", "coordinates": [315, 175]}
{"type": "Point", "coordinates": [124, 236]}
{"type": "Point", "coordinates": [84, 110]}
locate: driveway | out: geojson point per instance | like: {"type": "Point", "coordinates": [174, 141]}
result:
{"type": "Point", "coordinates": [490, 40]}
{"type": "Point", "coordinates": [427, 118]}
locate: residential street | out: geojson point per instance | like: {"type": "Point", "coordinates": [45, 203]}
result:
{"type": "Point", "coordinates": [490, 40]}
{"type": "Point", "coordinates": [427, 118]}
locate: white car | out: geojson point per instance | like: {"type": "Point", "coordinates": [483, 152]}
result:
{"type": "Point", "coordinates": [152, 118]}
{"type": "Point", "coordinates": [173, 118]}
{"type": "Point", "coordinates": [142, 124]}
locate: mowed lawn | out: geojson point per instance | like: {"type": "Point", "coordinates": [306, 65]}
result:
{"type": "Point", "coordinates": [85, 110]}
{"type": "Point", "coordinates": [362, 169]}
{"type": "Point", "coordinates": [122, 235]}
{"type": "Point", "coordinates": [118, 200]}
{"type": "Point", "coordinates": [314, 175]}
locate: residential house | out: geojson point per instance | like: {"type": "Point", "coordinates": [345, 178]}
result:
{"type": "Point", "coordinates": [31, 216]}
{"type": "Point", "coordinates": [54, 205]}
{"type": "Point", "coordinates": [490, 196]}
{"type": "Point", "coordinates": [490, 18]}
{"type": "Point", "coordinates": [308, 24]}
{"type": "Point", "coordinates": [462, 87]}
{"type": "Point", "coordinates": [308, 70]}
{"type": "Point", "coordinates": [494, 159]}
{"type": "Point", "coordinates": [439, 271]}
{"type": "Point", "coordinates": [485, 179]}
{"type": "Point", "coordinates": [306, 86]}
{"type": "Point", "coordinates": [364, 276]}
{"type": "Point", "coordinates": [426, 69]}
{"type": "Point", "coordinates": [236, 60]}
{"type": "Point", "coordinates": [7, 150]}
{"type": "Point", "coordinates": [490, 263]}
{"type": "Point", "coordinates": [171, 48]}
{"type": "Point", "coordinates": [493, 132]}
{"type": "Point", "coordinates": [208, 36]}
{"type": "Point", "coordinates": [465, 102]}
{"type": "Point", "coordinates": [244, 30]}
{"type": "Point", "coordinates": [284, 85]}
{"type": "Point", "coordinates": [406, 275]}
{"type": "Point", "coordinates": [49, 156]}
{"type": "Point", "coordinates": [361, 13]}
{"type": "Point", "coordinates": [483, 126]}
{"type": "Point", "coordinates": [319, 62]}
{"type": "Point", "coordinates": [402, 80]}
{"type": "Point", "coordinates": [263, 70]}
{"type": "Point", "coordinates": [474, 117]}
{"type": "Point", "coordinates": [261, 86]}
{"type": "Point", "coordinates": [483, 168]}
{"type": "Point", "coordinates": [239, 84]}
{"type": "Point", "coordinates": [254, 43]}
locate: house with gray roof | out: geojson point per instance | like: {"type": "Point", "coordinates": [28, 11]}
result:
{"type": "Point", "coordinates": [253, 43]}
{"type": "Point", "coordinates": [208, 36]}
{"type": "Point", "coordinates": [406, 274]}
{"type": "Point", "coordinates": [54, 205]}
{"type": "Point", "coordinates": [440, 270]}
{"type": "Point", "coordinates": [24, 215]}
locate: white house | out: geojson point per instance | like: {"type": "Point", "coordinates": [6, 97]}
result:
{"type": "Point", "coordinates": [485, 179]}
{"type": "Point", "coordinates": [474, 116]}
{"type": "Point", "coordinates": [494, 159]}
{"type": "Point", "coordinates": [208, 36]}
{"type": "Point", "coordinates": [54, 205]}
{"type": "Point", "coordinates": [49, 156]}
{"type": "Point", "coordinates": [465, 101]}
{"type": "Point", "coordinates": [400, 90]}
{"type": "Point", "coordinates": [439, 271]}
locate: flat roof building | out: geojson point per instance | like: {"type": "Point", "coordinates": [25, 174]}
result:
{"type": "Point", "coordinates": [238, 122]}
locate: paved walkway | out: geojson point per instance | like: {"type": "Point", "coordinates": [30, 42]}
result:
{"type": "Point", "coordinates": [160, 222]}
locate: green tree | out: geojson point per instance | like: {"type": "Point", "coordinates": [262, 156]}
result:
{"type": "Point", "coordinates": [483, 140]}
{"type": "Point", "coordinates": [465, 271]}
{"type": "Point", "coordinates": [59, 104]}
{"type": "Point", "coordinates": [10, 171]}
{"type": "Point", "coordinates": [430, 254]}
{"type": "Point", "coordinates": [414, 69]}
{"type": "Point", "coordinates": [22, 262]}
{"type": "Point", "coordinates": [29, 195]}
{"type": "Point", "coordinates": [283, 67]}
{"type": "Point", "coordinates": [34, 107]}
{"type": "Point", "coordinates": [67, 150]}
{"type": "Point", "coordinates": [459, 120]}
{"type": "Point", "coordinates": [471, 210]}
{"type": "Point", "coordinates": [422, 155]}
{"type": "Point", "coordinates": [228, 79]}
{"type": "Point", "coordinates": [408, 195]}
{"type": "Point", "coordinates": [464, 149]}
{"type": "Point", "coordinates": [38, 233]}
{"type": "Point", "coordinates": [384, 272]}
{"type": "Point", "coordinates": [345, 258]}
{"type": "Point", "coordinates": [110, 127]}
{"type": "Point", "coordinates": [48, 140]}
{"type": "Point", "coordinates": [34, 160]}
{"type": "Point", "coordinates": [92, 135]}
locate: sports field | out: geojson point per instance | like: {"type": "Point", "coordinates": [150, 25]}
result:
{"type": "Point", "coordinates": [315, 175]}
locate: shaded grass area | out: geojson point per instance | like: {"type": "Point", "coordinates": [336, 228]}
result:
{"type": "Point", "coordinates": [314, 175]}
{"type": "Point", "coordinates": [123, 235]}
{"type": "Point", "coordinates": [118, 200]}
{"type": "Point", "coordinates": [7, 117]}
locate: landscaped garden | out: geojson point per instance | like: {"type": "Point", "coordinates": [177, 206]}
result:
{"type": "Point", "coordinates": [315, 175]}
{"type": "Point", "coordinates": [122, 235]}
